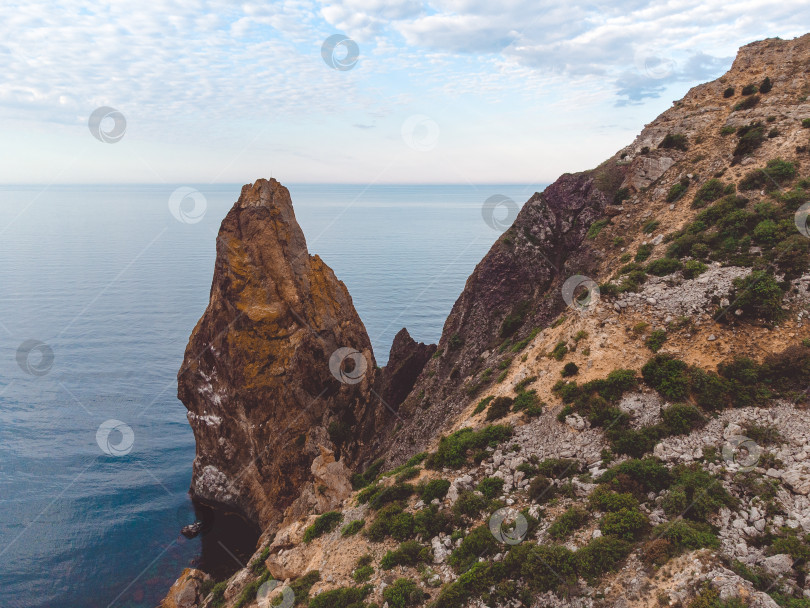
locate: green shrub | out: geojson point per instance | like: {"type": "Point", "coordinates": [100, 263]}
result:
{"type": "Point", "coordinates": [693, 268]}
{"type": "Point", "coordinates": [499, 408]}
{"type": "Point", "coordinates": [453, 451]}
{"type": "Point", "coordinates": [480, 542]}
{"type": "Point", "coordinates": [541, 489]}
{"type": "Point", "coordinates": [727, 130]}
{"type": "Point", "coordinates": [651, 226]}
{"type": "Point", "coordinates": [708, 193]}
{"type": "Point", "coordinates": [544, 567]}
{"type": "Point", "coordinates": [763, 434]}
{"type": "Point", "coordinates": [469, 504]}
{"type": "Point", "coordinates": [622, 194]}
{"type": "Point", "coordinates": [729, 92]}
{"type": "Point", "coordinates": [403, 592]}
{"type": "Point", "coordinates": [747, 103]}
{"type": "Point", "coordinates": [681, 418]}
{"type": "Point", "coordinates": [559, 468]}
{"type": "Point", "coordinates": [323, 524]}
{"type": "Point", "coordinates": [571, 519]}
{"type": "Point", "coordinates": [482, 404]}
{"type": "Point", "coordinates": [597, 227]}
{"type": "Point", "coordinates": [776, 173]}
{"type": "Point", "coordinates": [687, 535]}
{"type": "Point", "coordinates": [570, 369]}
{"type": "Point", "coordinates": [677, 190]}
{"type": "Point", "coordinates": [664, 266]}
{"type": "Point", "coordinates": [751, 138]}
{"type": "Point", "coordinates": [695, 494]}
{"type": "Point", "coordinates": [600, 556]}
{"type": "Point", "coordinates": [526, 401]}
{"type": "Point", "coordinates": [343, 597]}
{"type": "Point", "coordinates": [668, 376]}
{"type": "Point", "coordinates": [656, 340]}
{"type": "Point", "coordinates": [766, 86]}
{"type": "Point", "coordinates": [390, 494]}
{"type": "Point", "coordinates": [430, 522]}
{"type": "Point", "coordinates": [490, 487]}
{"type": "Point", "coordinates": [559, 351]}
{"type": "Point", "coordinates": [361, 480]}
{"type": "Point", "coordinates": [473, 582]}
{"type": "Point", "coordinates": [408, 553]}
{"type": "Point", "coordinates": [302, 585]}
{"type": "Point", "coordinates": [391, 520]}
{"type": "Point", "coordinates": [362, 574]}
{"type": "Point", "coordinates": [625, 524]}
{"type": "Point", "coordinates": [649, 474]}
{"type": "Point", "coordinates": [644, 252]}
{"type": "Point", "coordinates": [436, 488]}
{"type": "Point", "coordinates": [608, 501]}
{"type": "Point", "coordinates": [806, 123]}
{"type": "Point", "coordinates": [406, 474]}
{"type": "Point", "coordinates": [352, 527]}
{"type": "Point", "coordinates": [674, 140]}
{"type": "Point", "coordinates": [759, 294]}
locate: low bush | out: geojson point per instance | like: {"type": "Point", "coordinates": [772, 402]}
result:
{"type": "Point", "coordinates": [606, 500]}
{"type": "Point", "coordinates": [643, 253]}
{"type": "Point", "coordinates": [681, 418]}
{"type": "Point", "coordinates": [765, 86]}
{"type": "Point", "coordinates": [430, 522]}
{"type": "Point", "coordinates": [760, 295]}
{"type": "Point", "coordinates": [483, 404]}
{"type": "Point", "coordinates": [469, 504]}
{"type": "Point", "coordinates": [499, 408]}
{"type": "Point", "coordinates": [391, 494]}
{"type": "Point", "coordinates": [648, 474]}
{"type": "Point", "coordinates": [668, 376]}
{"type": "Point", "coordinates": [776, 173]}
{"type": "Point", "coordinates": [695, 494]}
{"type": "Point", "coordinates": [302, 585]}
{"type": "Point", "coordinates": [625, 524]}
{"type": "Point", "coordinates": [570, 369]}
{"type": "Point", "coordinates": [361, 480]}
{"type": "Point", "coordinates": [362, 573]}
{"type": "Point", "coordinates": [436, 488]}
{"type": "Point", "coordinates": [480, 542]}
{"type": "Point", "coordinates": [453, 451]}
{"type": "Point", "coordinates": [541, 489]}
{"type": "Point", "coordinates": [392, 520]}
{"type": "Point", "coordinates": [559, 351]}
{"type": "Point", "coordinates": [751, 136]}
{"type": "Point", "coordinates": [352, 527]}
{"type": "Point", "coordinates": [571, 519]}
{"type": "Point", "coordinates": [656, 340]}
{"type": "Point", "coordinates": [677, 141]}
{"type": "Point", "coordinates": [409, 553]}
{"type": "Point", "coordinates": [763, 434]}
{"type": "Point", "coordinates": [729, 92]}
{"type": "Point", "coordinates": [747, 103]}
{"type": "Point", "coordinates": [596, 228]}
{"type": "Point", "coordinates": [343, 597]}
{"type": "Point", "coordinates": [678, 189]}
{"type": "Point", "coordinates": [709, 192]}
{"type": "Point", "coordinates": [323, 524]}
{"type": "Point", "coordinates": [600, 556]}
{"type": "Point", "coordinates": [664, 266]}
{"type": "Point", "coordinates": [402, 593]}
{"type": "Point", "coordinates": [490, 487]}
{"type": "Point", "coordinates": [693, 268]}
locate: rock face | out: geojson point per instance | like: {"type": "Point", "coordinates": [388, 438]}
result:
{"type": "Point", "coordinates": [508, 291]}
{"type": "Point", "coordinates": [187, 590]}
{"type": "Point", "coordinates": [260, 378]}
{"type": "Point", "coordinates": [405, 363]}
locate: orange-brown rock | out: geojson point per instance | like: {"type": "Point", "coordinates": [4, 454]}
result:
{"type": "Point", "coordinates": [256, 378]}
{"type": "Point", "coordinates": [187, 590]}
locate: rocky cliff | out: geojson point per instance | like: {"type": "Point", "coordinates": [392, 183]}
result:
{"type": "Point", "coordinates": [265, 374]}
{"type": "Point", "coordinates": [623, 382]}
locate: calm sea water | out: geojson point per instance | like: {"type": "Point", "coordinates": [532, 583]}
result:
{"type": "Point", "coordinates": [112, 284]}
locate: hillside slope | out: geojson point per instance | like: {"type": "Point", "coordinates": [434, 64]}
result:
{"type": "Point", "coordinates": [616, 413]}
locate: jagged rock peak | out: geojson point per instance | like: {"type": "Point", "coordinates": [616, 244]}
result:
{"type": "Point", "coordinates": [256, 379]}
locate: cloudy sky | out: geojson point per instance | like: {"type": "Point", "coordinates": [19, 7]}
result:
{"type": "Point", "coordinates": [449, 91]}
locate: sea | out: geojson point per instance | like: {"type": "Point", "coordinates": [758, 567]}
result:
{"type": "Point", "coordinates": [100, 287]}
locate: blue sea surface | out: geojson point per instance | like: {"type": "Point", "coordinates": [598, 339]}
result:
{"type": "Point", "coordinates": [111, 283]}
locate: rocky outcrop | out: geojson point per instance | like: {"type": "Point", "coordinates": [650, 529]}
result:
{"type": "Point", "coordinates": [405, 363]}
{"type": "Point", "coordinates": [516, 286]}
{"type": "Point", "coordinates": [278, 367]}
{"type": "Point", "coordinates": [187, 591]}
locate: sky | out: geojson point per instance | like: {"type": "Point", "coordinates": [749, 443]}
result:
{"type": "Point", "coordinates": [351, 91]}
